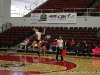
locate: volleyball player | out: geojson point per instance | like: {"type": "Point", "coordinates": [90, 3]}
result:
{"type": "Point", "coordinates": [38, 39]}
{"type": "Point", "coordinates": [43, 46]}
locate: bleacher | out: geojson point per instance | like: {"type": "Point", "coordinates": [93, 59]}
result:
{"type": "Point", "coordinates": [16, 34]}
{"type": "Point", "coordinates": [57, 6]}
{"type": "Point", "coordinates": [96, 10]}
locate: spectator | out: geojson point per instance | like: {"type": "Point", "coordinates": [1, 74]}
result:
{"type": "Point", "coordinates": [95, 49]}
{"type": "Point", "coordinates": [24, 43]}
{"type": "Point", "coordinates": [85, 48]}
{"type": "Point", "coordinates": [53, 44]}
{"type": "Point", "coordinates": [98, 34]}
{"type": "Point", "coordinates": [72, 45]}
{"type": "Point", "coordinates": [48, 36]}
{"type": "Point", "coordinates": [66, 44]}
{"type": "Point", "coordinates": [78, 47]}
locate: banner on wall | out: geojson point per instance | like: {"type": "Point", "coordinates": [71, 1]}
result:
{"type": "Point", "coordinates": [53, 17]}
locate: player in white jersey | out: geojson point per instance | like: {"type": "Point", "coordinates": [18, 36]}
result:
{"type": "Point", "coordinates": [59, 48]}
{"type": "Point", "coordinates": [38, 39]}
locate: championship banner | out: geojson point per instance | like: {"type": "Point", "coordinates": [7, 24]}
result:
{"type": "Point", "coordinates": [53, 17]}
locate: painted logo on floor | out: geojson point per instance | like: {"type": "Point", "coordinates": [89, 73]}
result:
{"type": "Point", "coordinates": [15, 65]}
{"type": "Point", "coordinates": [33, 65]}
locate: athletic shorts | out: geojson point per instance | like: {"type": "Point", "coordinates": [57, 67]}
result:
{"type": "Point", "coordinates": [42, 45]}
{"type": "Point", "coordinates": [37, 40]}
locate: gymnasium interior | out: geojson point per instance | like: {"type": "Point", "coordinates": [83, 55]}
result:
{"type": "Point", "coordinates": [70, 19]}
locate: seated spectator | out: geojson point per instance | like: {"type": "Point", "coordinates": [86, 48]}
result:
{"type": "Point", "coordinates": [47, 37]}
{"type": "Point", "coordinates": [66, 44]}
{"type": "Point", "coordinates": [93, 46]}
{"type": "Point", "coordinates": [53, 44]}
{"type": "Point", "coordinates": [98, 34]}
{"type": "Point", "coordinates": [72, 45]}
{"type": "Point", "coordinates": [95, 49]}
{"type": "Point", "coordinates": [78, 47]}
{"type": "Point", "coordinates": [24, 43]}
{"type": "Point", "coordinates": [85, 48]}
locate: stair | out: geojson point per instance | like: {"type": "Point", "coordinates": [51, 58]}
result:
{"type": "Point", "coordinates": [91, 7]}
{"type": "Point", "coordinates": [33, 6]}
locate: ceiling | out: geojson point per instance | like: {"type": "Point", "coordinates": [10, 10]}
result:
{"type": "Point", "coordinates": [22, 3]}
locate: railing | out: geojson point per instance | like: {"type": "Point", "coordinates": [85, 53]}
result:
{"type": "Point", "coordinates": [33, 6]}
{"type": "Point", "coordinates": [17, 11]}
{"type": "Point", "coordinates": [82, 11]}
